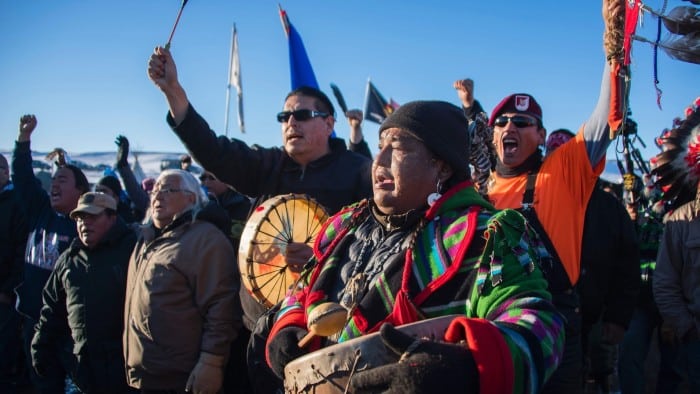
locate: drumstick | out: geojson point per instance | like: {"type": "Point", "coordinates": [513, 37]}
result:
{"type": "Point", "coordinates": [172, 32]}
{"type": "Point", "coordinates": [324, 320]}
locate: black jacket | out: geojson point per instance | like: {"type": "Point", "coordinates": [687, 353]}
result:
{"type": "Point", "coordinates": [334, 181]}
{"type": "Point", "coordinates": [609, 283]}
{"type": "Point", "coordinates": [237, 206]}
{"type": "Point", "coordinates": [86, 290]}
{"type": "Point", "coordinates": [13, 239]}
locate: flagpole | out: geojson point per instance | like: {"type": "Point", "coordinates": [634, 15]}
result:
{"type": "Point", "coordinates": [228, 86]}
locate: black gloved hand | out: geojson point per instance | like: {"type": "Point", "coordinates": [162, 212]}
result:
{"type": "Point", "coordinates": [39, 357]}
{"type": "Point", "coordinates": [428, 368]}
{"type": "Point", "coordinates": [283, 348]}
{"type": "Point", "coordinates": [122, 151]}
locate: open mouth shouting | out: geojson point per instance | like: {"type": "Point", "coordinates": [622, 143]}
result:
{"type": "Point", "coordinates": [383, 181]}
{"type": "Point", "coordinates": [55, 195]}
{"type": "Point", "coordinates": [510, 145]}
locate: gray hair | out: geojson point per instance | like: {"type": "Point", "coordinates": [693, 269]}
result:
{"type": "Point", "coordinates": [187, 183]}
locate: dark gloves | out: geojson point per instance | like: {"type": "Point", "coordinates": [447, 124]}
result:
{"type": "Point", "coordinates": [425, 367]}
{"type": "Point", "coordinates": [122, 151]}
{"type": "Point", "coordinates": [39, 354]}
{"type": "Point", "coordinates": [207, 375]}
{"type": "Point", "coordinates": [283, 348]}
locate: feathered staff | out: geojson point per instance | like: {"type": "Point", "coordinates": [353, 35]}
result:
{"type": "Point", "coordinates": [677, 167]}
{"type": "Point", "coordinates": [683, 22]}
{"type": "Point", "coordinates": [617, 50]}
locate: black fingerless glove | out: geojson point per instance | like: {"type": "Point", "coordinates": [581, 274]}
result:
{"type": "Point", "coordinates": [424, 367]}
{"type": "Point", "coordinates": [283, 348]}
{"type": "Point", "coordinates": [122, 151]}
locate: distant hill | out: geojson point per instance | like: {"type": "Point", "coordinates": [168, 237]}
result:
{"type": "Point", "coordinates": [94, 164]}
{"type": "Point", "coordinates": [151, 163]}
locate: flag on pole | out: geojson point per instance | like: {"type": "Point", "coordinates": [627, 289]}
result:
{"type": "Point", "coordinates": [376, 106]}
{"type": "Point", "coordinates": [301, 72]}
{"type": "Point", "coordinates": [299, 65]}
{"type": "Point", "coordinates": [234, 79]}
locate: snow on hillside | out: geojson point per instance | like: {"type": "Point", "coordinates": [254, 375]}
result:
{"type": "Point", "coordinates": [94, 163]}
{"type": "Point", "coordinates": [151, 163]}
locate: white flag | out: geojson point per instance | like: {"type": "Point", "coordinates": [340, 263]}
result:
{"type": "Point", "coordinates": [234, 79]}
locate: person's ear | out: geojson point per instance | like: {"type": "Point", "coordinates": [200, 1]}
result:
{"type": "Point", "coordinates": [543, 135]}
{"type": "Point", "coordinates": [445, 171]}
{"type": "Point", "coordinates": [330, 122]}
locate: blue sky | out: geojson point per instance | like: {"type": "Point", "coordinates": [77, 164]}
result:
{"type": "Point", "coordinates": [80, 66]}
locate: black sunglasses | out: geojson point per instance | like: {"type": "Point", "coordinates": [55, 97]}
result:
{"type": "Point", "coordinates": [206, 178]}
{"type": "Point", "coordinates": [300, 114]}
{"type": "Point", "coordinates": [519, 121]}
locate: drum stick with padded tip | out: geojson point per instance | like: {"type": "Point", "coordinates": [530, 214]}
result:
{"type": "Point", "coordinates": [325, 320]}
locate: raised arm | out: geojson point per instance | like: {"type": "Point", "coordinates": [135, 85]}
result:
{"type": "Point", "coordinates": [27, 185]}
{"type": "Point", "coordinates": [607, 114]}
{"type": "Point", "coordinates": [357, 139]}
{"type": "Point", "coordinates": [138, 196]}
{"type": "Point", "coordinates": [163, 73]}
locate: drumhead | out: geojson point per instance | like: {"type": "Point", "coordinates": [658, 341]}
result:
{"type": "Point", "coordinates": [327, 370]}
{"type": "Point", "coordinates": [275, 223]}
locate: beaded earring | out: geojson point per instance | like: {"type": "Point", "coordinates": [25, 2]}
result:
{"type": "Point", "coordinates": [432, 197]}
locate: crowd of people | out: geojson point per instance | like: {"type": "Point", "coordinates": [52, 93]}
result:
{"type": "Point", "coordinates": [529, 273]}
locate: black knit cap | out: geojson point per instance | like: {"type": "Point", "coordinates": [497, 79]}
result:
{"type": "Point", "coordinates": [440, 125]}
{"type": "Point", "coordinates": [112, 183]}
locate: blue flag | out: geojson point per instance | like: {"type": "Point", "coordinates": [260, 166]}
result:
{"type": "Point", "coordinates": [299, 65]}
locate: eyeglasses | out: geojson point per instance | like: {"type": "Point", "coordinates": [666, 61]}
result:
{"type": "Point", "coordinates": [166, 191]}
{"type": "Point", "coordinates": [300, 114]}
{"type": "Point", "coordinates": [205, 178]}
{"type": "Point", "coordinates": [519, 121]}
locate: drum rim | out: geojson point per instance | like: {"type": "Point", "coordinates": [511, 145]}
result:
{"type": "Point", "coordinates": [246, 264]}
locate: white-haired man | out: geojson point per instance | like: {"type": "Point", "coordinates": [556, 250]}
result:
{"type": "Point", "coordinates": [181, 291]}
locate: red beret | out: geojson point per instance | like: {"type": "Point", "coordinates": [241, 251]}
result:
{"type": "Point", "coordinates": [519, 103]}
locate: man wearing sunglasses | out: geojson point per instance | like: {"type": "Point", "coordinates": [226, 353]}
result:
{"type": "Point", "coordinates": [553, 193]}
{"type": "Point", "coordinates": [310, 161]}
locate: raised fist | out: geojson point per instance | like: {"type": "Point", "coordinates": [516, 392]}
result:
{"type": "Point", "coordinates": [27, 123]}
{"type": "Point", "coordinates": [122, 151]}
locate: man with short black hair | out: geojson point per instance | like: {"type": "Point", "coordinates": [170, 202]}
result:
{"type": "Point", "coordinates": [85, 292]}
{"type": "Point", "coordinates": [311, 161]}
{"type": "Point", "coordinates": [50, 233]}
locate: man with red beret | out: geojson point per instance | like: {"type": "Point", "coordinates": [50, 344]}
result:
{"type": "Point", "coordinates": [553, 193]}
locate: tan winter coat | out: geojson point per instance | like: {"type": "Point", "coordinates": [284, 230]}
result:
{"type": "Point", "coordinates": [180, 300]}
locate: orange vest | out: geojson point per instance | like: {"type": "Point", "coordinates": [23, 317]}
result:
{"type": "Point", "coordinates": [564, 184]}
